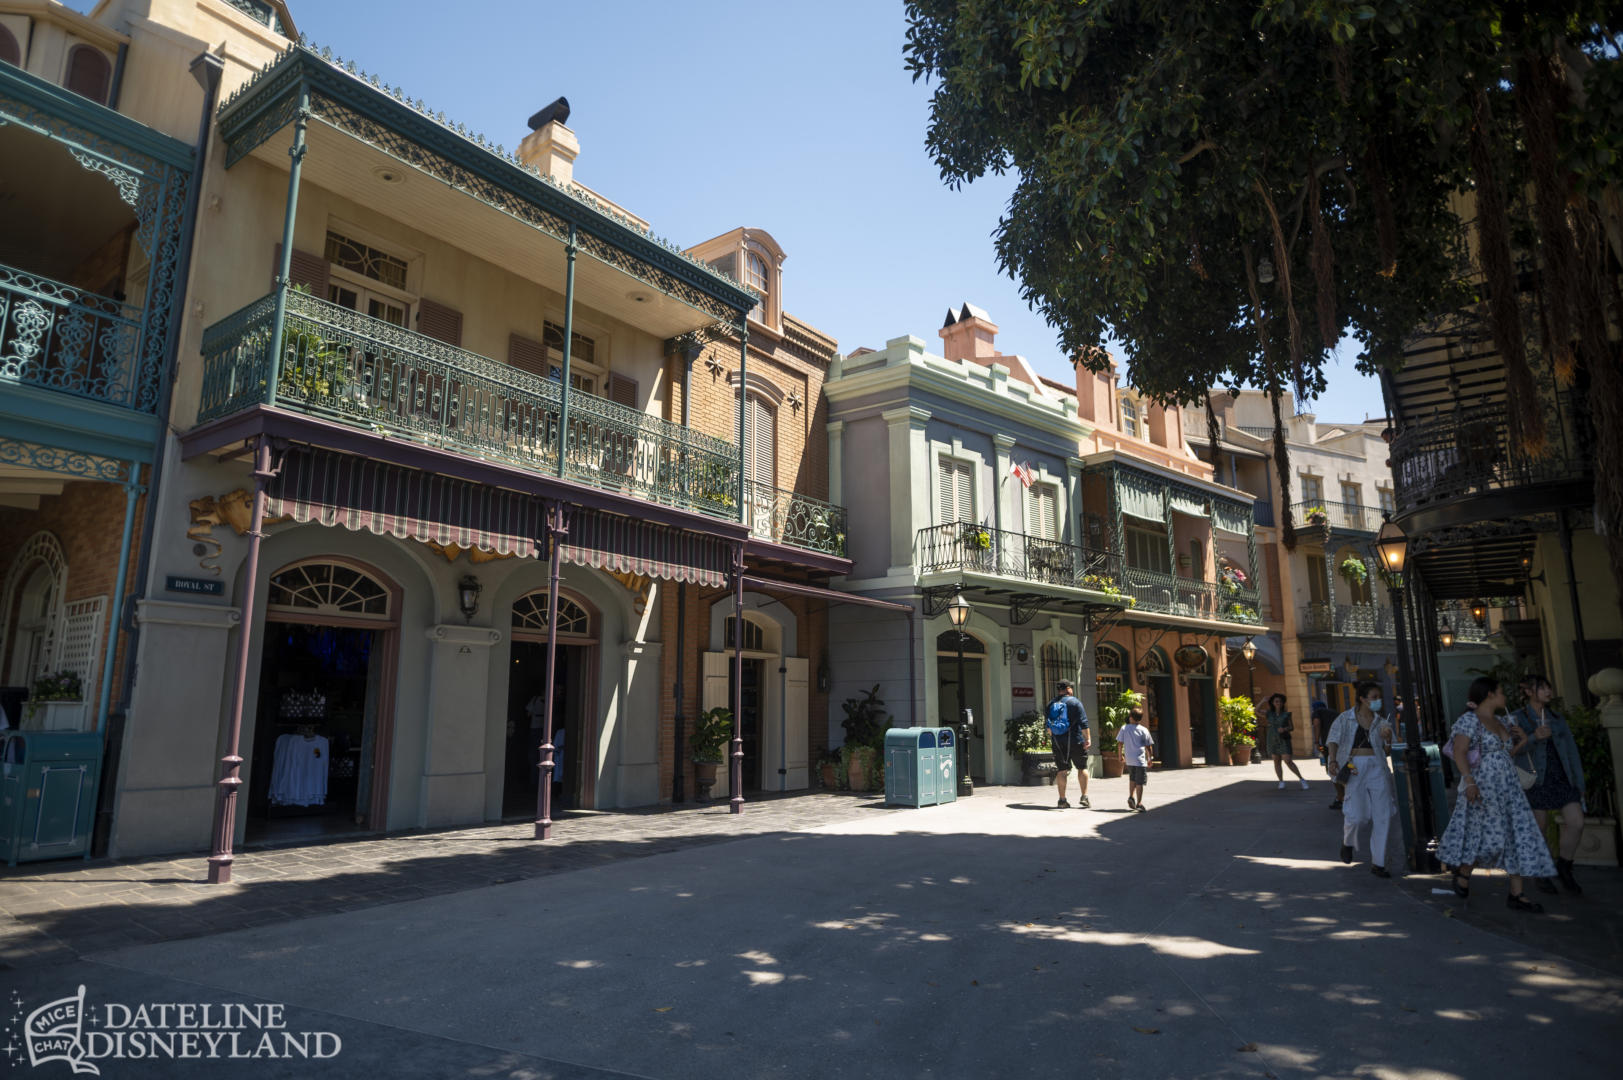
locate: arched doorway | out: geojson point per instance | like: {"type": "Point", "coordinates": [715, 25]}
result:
{"type": "Point", "coordinates": [946, 644]}
{"type": "Point", "coordinates": [1161, 704]}
{"type": "Point", "coordinates": [574, 707]}
{"type": "Point", "coordinates": [1195, 672]}
{"type": "Point", "coordinates": [324, 730]}
{"type": "Point", "coordinates": [31, 610]}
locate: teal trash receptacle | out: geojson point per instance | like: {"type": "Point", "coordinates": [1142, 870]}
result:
{"type": "Point", "coordinates": [48, 785]}
{"type": "Point", "coordinates": [1434, 784]}
{"type": "Point", "coordinates": [910, 766]}
{"type": "Point", "coordinates": [946, 771]}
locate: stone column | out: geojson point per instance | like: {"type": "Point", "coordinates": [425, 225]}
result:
{"type": "Point", "coordinates": [453, 782]}
{"type": "Point", "coordinates": [836, 462]}
{"type": "Point", "coordinates": [909, 483]}
{"type": "Point", "coordinates": [1003, 516]}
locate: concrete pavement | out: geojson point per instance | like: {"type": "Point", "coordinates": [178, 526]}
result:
{"type": "Point", "coordinates": [1216, 935]}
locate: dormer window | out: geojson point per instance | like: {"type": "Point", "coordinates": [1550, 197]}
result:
{"type": "Point", "coordinates": [753, 259]}
{"type": "Point", "coordinates": [1129, 417]}
{"type": "Point", "coordinates": [755, 278]}
{"type": "Point", "coordinates": [89, 74]}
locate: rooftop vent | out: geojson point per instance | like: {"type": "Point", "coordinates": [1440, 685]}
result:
{"type": "Point", "coordinates": [558, 110]}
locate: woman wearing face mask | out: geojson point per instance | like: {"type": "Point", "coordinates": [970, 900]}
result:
{"type": "Point", "coordinates": [1492, 826]}
{"type": "Point", "coordinates": [1358, 740]}
{"type": "Point", "coordinates": [1560, 785]}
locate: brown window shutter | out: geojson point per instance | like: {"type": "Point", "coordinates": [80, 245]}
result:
{"type": "Point", "coordinates": [307, 269]}
{"type": "Point", "coordinates": [623, 391]}
{"type": "Point", "coordinates": [439, 322]}
{"type": "Point", "coordinates": [526, 354]}
{"type": "Point", "coordinates": [10, 51]}
{"type": "Point", "coordinates": [89, 73]}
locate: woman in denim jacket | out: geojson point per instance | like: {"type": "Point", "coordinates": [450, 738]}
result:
{"type": "Point", "coordinates": [1560, 785]}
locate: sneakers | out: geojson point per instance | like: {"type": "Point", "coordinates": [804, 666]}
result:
{"type": "Point", "coordinates": [1084, 803]}
{"type": "Point", "coordinates": [1064, 804]}
{"type": "Point", "coordinates": [1132, 803]}
{"type": "Point", "coordinates": [1282, 785]}
{"type": "Point", "coordinates": [1141, 808]}
{"type": "Point", "coordinates": [1303, 783]}
{"type": "Point", "coordinates": [1346, 853]}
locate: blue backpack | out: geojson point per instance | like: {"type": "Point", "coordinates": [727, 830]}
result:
{"type": "Point", "coordinates": [1059, 718]}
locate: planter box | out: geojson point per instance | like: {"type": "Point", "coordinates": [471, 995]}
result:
{"type": "Point", "coordinates": [1037, 769]}
{"type": "Point", "coordinates": [1598, 845]}
{"type": "Point", "coordinates": [58, 716]}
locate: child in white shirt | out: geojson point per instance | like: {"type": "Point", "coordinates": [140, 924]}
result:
{"type": "Point", "coordinates": [1136, 743]}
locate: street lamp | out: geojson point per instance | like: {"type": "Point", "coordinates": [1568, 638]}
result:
{"type": "Point", "coordinates": [958, 612]}
{"type": "Point", "coordinates": [1393, 546]}
{"type": "Point", "coordinates": [1249, 651]}
{"type": "Point", "coordinates": [1479, 612]}
{"type": "Point", "coordinates": [1445, 636]}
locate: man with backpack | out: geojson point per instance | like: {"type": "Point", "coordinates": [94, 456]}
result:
{"type": "Point", "coordinates": [1068, 731]}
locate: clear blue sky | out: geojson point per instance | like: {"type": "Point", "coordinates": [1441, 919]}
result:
{"type": "Point", "coordinates": [703, 115]}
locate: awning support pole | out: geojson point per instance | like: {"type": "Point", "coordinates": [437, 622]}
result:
{"type": "Point", "coordinates": [284, 272]}
{"type": "Point", "coordinates": [570, 250]}
{"type": "Point", "coordinates": [735, 775]}
{"type": "Point", "coordinates": [225, 802]}
{"type": "Point", "coordinates": [557, 531]}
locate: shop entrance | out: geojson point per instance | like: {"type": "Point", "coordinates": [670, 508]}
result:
{"type": "Point", "coordinates": [321, 737]}
{"type": "Point", "coordinates": [1203, 734]}
{"type": "Point", "coordinates": [974, 693]}
{"type": "Point", "coordinates": [750, 719]}
{"type": "Point", "coordinates": [574, 727]}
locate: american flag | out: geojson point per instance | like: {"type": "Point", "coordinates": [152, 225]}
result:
{"type": "Point", "coordinates": [1022, 471]}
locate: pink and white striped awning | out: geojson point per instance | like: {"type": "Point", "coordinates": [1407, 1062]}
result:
{"type": "Point", "coordinates": [365, 495]}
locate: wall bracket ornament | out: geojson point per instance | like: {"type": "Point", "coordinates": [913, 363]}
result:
{"type": "Point", "coordinates": [476, 556]}
{"type": "Point", "coordinates": [234, 508]}
{"type": "Point", "coordinates": [637, 585]}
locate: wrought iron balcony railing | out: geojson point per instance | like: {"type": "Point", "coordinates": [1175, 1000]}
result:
{"type": "Point", "coordinates": [787, 517]}
{"type": "Point", "coordinates": [1469, 451]}
{"type": "Point", "coordinates": [366, 373]}
{"type": "Point", "coordinates": [1347, 620]}
{"type": "Point", "coordinates": [1262, 512]}
{"type": "Point", "coordinates": [964, 545]}
{"type": "Point", "coordinates": [66, 339]}
{"type": "Point", "coordinates": [1346, 517]}
{"type": "Point", "coordinates": [1170, 594]}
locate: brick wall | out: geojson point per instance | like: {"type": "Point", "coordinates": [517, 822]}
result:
{"type": "Point", "coordinates": [87, 519]}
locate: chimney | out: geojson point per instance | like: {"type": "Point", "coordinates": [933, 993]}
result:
{"type": "Point", "coordinates": [550, 146]}
{"type": "Point", "coordinates": [1095, 394]}
{"type": "Point", "coordinates": [968, 334]}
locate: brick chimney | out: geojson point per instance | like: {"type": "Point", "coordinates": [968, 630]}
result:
{"type": "Point", "coordinates": [1095, 395]}
{"type": "Point", "coordinates": [550, 146]}
{"type": "Point", "coordinates": [969, 334]}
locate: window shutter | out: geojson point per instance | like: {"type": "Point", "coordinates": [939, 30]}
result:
{"type": "Point", "coordinates": [527, 354]}
{"type": "Point", "coordinates": [966, 491]}
{"type": "Point", "coordinates": [439, 322]}
{"type": "Point", "coordinates": [89, 73]}
{"type": "Point", "coordinates": [763, 443]}
{"type": "Point", "coordinates": [307, 269]}
{"type": "Point", "coordinates": [1316, 585]}
{"type": "Point", "coordinates": [1044, 522]}
{"type": "Point", "coordinates": [623, 391]}
{"type": "Point", "coordinates": [10, 51]}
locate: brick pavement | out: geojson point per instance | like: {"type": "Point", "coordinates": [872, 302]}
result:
{"type": "Point", "coordinates": [57, 911]}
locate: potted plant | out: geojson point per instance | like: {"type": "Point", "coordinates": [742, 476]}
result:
{"type": "Point", "coordinates": [1114, 715]}
{"type": "Point", "coordinates": [1318, 521]}
{"type": "Point", "coordinates": [861, 757]}
{"type": "Point", "coordinates": [1026, 737]}
{"type": "Point", "coordinates": [712, 731]}
{"type": "Point", "coordinates": [1598, 846]}
{"type": "Point", "coordinates": [828, 770]}
{"type": "Point", "coordinates": [1110, 759]}
{"type": "Point", "coordinates": [1238, 717]}
{"type": "Point", "coordinates": [1353, 571]}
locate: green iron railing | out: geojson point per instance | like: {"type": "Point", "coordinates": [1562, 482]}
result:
{"type": "Point", "coordinates": [66, 339]}
{"type": "Point", "coordinates": [1170, 594]}
{"type": "Point", "coordinates": [788, 517]}
{"type": "Point", "coordinates": [1350, 517]}
{"type": "Point", "coordinates": [1347, 620]}
{"type": "Point", "coordinates": [366, 373]}
{"type": "Point", "coordinates": [965, 545]}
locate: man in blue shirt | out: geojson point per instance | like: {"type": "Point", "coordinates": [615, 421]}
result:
{"type": "Point", "coordinates": [1072, 747]}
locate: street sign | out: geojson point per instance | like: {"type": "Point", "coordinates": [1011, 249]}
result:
{"type": "Point", "coordinates": [1024, 691]}
{"type": "Point", "coordinates": [194, 585]}
{"type": "Point", "coordinates": [1315, 667]}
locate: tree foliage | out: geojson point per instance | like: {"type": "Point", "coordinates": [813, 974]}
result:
{"type": "Point", "coordinates": [1233, 187]}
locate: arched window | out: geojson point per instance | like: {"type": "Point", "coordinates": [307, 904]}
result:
{"type": "Point", "coordinates": [755, 278]}
{"type": "Point", "coordinates": [34, 588]}
{"type": "Point", "coordinates": [1129, 416]}
{"type": "Point", "coordinates": [1109, 671]}
{"type": "Point", "coordinates": [530, 614]}
{"type": "Point", "coordinates": [1056, 662]}
{"type": "Point", "coordinates": [10, 52]}
{"type": "Point", "coordinates": [327, 588]}
{"type": "Point", "coordinates": [754, 634]}
{"type": "Point", "coordinates": [89, 73]}
{"type": "Point", "coordinates": [947, 642]}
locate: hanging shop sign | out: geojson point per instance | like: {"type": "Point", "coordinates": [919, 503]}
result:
{"type": "Point", "coordinates": [1316, 667]}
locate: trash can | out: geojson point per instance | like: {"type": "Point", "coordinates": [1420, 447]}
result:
{"type": "Point", "coordinates": [1434, 783]}
{"type": "Point", "coordinates": [946, 771]}
{"type": "Point", "coordinates": [48, 785]}
{"type": "Point", "coordinates": [910, 766]}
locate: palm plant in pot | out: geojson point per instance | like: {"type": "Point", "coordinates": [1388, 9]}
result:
{"type": "Point", "coordinates": [1026, 737]}
{"type": "Point", "coordinates": [711, 733]}
{"type": "Point", "coordinates": [1114, 715]}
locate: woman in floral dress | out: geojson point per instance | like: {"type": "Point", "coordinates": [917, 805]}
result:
{"type": "Point", "coordinates": [1492, 826]}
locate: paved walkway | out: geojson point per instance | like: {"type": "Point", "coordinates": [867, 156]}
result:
{"type": "Point", "coordinates": [54, 911]}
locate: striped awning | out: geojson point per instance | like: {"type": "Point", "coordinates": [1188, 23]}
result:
{"type": "Point", "coordinates": [364, 495]}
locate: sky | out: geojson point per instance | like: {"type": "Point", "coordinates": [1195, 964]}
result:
{"type": "Point", "coordinates": [703, 115]}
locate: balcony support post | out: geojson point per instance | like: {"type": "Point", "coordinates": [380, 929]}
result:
{"type": "Point", "coordinates": [735, 771]}
{"type": "Point", "coordinates": [284, 272]}
{"type": "Point", "coordinates": [743, 428]}
{"type": "Point", "coordinates": [1421, 859]}
{"type": "Point", "coordinates": [571, 249]}
{"type": "Point", "coordinates": [557, 532]}
{"type": "Point", "coordinates": [132, 491]}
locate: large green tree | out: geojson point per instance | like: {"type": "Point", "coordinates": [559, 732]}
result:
{"type": "Point", "coordinates": [1231, 188]}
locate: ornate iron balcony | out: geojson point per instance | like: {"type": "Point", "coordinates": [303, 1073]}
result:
{"type": "Point", "coordinates": [1469, 451]}
{"type": "Point", "coordinates": [1347, 620]}
{"type": "Point", "coordinates": [344, 366]}
{"type": "Point", "coordinates": [69, 340]}
{"type": "Point", "coordinates": [1345, 517]}
{"type": "Point", "coordinates": [1170, 594]}
{"type": "Point", "coordinates": [964, 545]}
{"type": "Point", "coordinates": [787, 517]}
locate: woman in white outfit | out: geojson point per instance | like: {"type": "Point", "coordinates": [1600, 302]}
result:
{"type": "Point", "coordinates": [1358, 740]}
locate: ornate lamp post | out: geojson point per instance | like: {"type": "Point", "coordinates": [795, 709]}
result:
{"type": "Point", "coordinates": [958, 612]}
{"type": "Point", "coordinates": [1393, 545]}
{"type": "Point", "coordinates": [1249, 651]}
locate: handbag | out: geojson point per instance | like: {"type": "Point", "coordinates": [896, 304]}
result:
{"type": "Point", "coordinates": [1526, 777]}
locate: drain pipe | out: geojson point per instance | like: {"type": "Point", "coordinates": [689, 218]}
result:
{"type": "Point", "coordinates": [206, 69]}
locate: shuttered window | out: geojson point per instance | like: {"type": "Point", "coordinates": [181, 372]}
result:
{"type": "Point", "coordinates": [956, 486]}
{"type": "Point", "coordinates": [439, 322]}
{"type": "Point", "coordinates": [1042, 511]}
{"type": "Point", "coordinates": [89, 73]}
{"type": "Point", "coordinates": [1147, 550]}
{"type": "Point", "coordinates": [10, 51]}
{"type": "Point", "coordinates": [1318, 587]}
{"type": "Point", "coordinates": [527, 354]}
{"type": "Point", "coordinates": [306, 268]}
{"type": "Point", "coordinates": [623, 391]}
{"type": "Point", "coordinates": [763, 442]}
